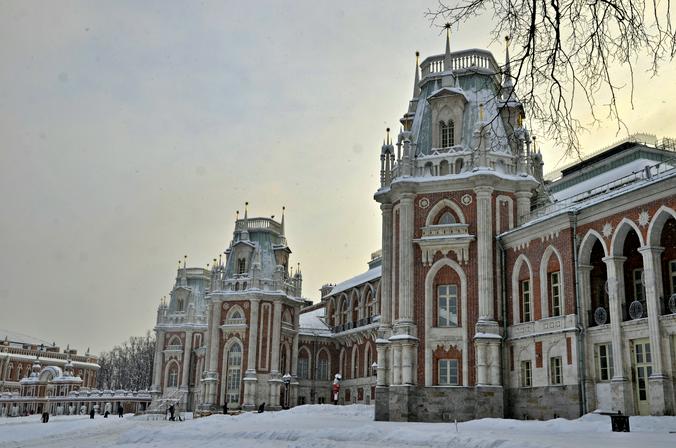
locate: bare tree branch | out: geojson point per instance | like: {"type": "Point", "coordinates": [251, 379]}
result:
{"type": "Point", "coordinates": [568, 52]}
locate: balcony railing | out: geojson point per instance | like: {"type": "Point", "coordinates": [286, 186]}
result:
{"type": "Point", "coordinates": [355, 324]}
{"type": "Point", "coordinates": [444, 230]}
{"type": "Point", "coordinates": [461, 60]}
{"type": "Point", "coordinates": [258, 224]}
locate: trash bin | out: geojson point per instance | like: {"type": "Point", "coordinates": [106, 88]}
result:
{"type": "Point", "coordinates": [619, 422]}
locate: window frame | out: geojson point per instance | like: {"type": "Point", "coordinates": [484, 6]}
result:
{"type": "Point", "coordinates": [448, 298]}
{"type": "Point", "coordinates": [241, 266]}
{"type": "Point", "coordinates": [526, 311]}
{"type": "Point", "coordinates": [672, 276]}
{"type": "Point", "coordinates": [604, 374]}
{"type": "Point", "coordinates": [555, 293]}
{"type": "Point", "coordinates": [637, 284]}
{"type": "Point", "coordinates": [233, 374]}
{"type": "Point", "coordinates": [446, 134]}
{"type": "Point", "coordinates": [526, 374]}
{"type": "Point", "coordinates": [448, 368]}
{"type": "Point", "coordinates": [556, 371]}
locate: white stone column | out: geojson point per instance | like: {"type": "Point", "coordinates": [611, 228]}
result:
{"type": "Point", "coordinates": [620, 386]}
{"type": "Point", "coordinates": [159, 361]}
{"type": "Point", "coordinates": [396, 363]}
{"type": "Point", "coordinates": [187, 351]}
{"type": "Point", "coordinates": [386, 278]}
{"type": "Point", "coordinates": [214, 346]}
{"type": "Point", "coordinates": [522, 205]}
{"type": "Point", "coordinates": [494, 370]}
{"type": "Point", "coordinates": [275, 380]}
{"type": "Point", "coordinates": [652, 275]}
{"type": "Point", "coordinates": [481, 367]}
{"type": "Point", "coordinates": [253, 338]}
{"type": "Point", "coordinates": [485, 253]}
{"type": "Point", "coordinates": [407, 363]}
{"type": "Point", "coordinates": [406, 258]}
{"type": "Point", "coordinates": [382, 346]}
{"type": "Point", "coordinates": [584, 271]}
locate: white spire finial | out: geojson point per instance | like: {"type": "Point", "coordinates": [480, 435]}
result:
{"type": "Point", "coordinates": [447, 54]}
{"type": "Point", "coordinates": [416, 80]}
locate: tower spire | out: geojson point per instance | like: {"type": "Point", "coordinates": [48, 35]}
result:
{"type": "Point", "coordinates": [447, 54]}
{"type": "Point", "coordinates": [507, 82]}
{"type": "Point", "coordinates": [416, 80]}
{"type": "Point", "coordinates": [283, 211]}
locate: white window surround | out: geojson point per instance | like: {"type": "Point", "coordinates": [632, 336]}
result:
{"type": "Point", "coordinates": [545, 289]}
{"type": "Point", "coordinates": [516, 284]}
{"type": "Point", "coordinates": [435, 336]}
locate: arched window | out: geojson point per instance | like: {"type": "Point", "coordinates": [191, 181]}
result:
{"type": "Point", "coordinates": [526, 308]}
{"type": "Point", "coordinates": [446, 131]}
{"type": "Point", "coordinates": [459, 163]}
{"type": "Point", "coordinates": [172, 375]}
{"type": "Point", "coordinates": [344, 311]}
{"type": "Point", "coordinates": [303, 364]}
{"type": "Point", "coordinates": [447, 218]}
{"type": "Point", "coordinates": [368, 361]}
{"type": "Point", "coordinates": [179, 305]}
{"type": "Point", "coordinates": [447, 305]}
{"type": "Point", "coordinates": [323, 366]}
{"type": "Point", "coordinates": [355, 362]}
{"type": "Point", "coordinates": [234, 374]}
{"type": "Point", "coordinates": [241, 265]}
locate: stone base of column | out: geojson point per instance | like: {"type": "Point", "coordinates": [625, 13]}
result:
{"type": "Point", "coordinates": [622, 399]}
{"type": "Point", "coordinates": [275, 389]}
{"type": "Point", "coordinates": [399, 400]}
{"type": "Point", "coordinates": [382, 407]}
{"type": "Point", "coordinates": [659, 392]}
{"type": "Point", "coordinates": [590, 394]}
{"type": "Point", "coordinates": [250, 385]}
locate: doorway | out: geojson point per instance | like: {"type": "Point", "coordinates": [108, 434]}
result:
{"type": "Point", "coordinates": [643, 368]}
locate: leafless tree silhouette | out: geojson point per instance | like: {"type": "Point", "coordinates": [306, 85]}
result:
{"type": "Point", "coordinates": [570, 51]}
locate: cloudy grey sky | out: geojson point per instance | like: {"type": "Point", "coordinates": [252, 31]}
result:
{"type": "Point", "coordinates": [130, 132]}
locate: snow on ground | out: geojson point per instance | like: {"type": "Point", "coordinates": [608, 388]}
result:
{"type": "Point", "coordinates": [326, 426]}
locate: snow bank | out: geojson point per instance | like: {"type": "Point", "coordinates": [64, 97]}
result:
{"type": "Point", "coordinates": [328, 426]}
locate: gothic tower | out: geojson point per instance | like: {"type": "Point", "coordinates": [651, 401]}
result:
{"type": "Point", "coordinates": [463, 174]}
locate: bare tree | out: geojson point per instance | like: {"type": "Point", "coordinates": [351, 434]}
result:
{"type": "Point", "coordinates": [128, 366]}
{"type": "Point", "coordinates": [570, 51]}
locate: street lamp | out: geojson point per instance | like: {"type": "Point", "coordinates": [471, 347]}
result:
{"type": "Point", "coordinates": [287, 380]}
{"type": "Point", "coordinates": [374, 368]}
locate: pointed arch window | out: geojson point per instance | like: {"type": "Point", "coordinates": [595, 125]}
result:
{"type": "Point", "coordinates": [446, 131]}
{"type": "Point", "coordinates": [172, 380]}
{"type": "Point", "coordinates": [447, 218]}
{"type": "Point", "coordinates": [234, 374]}
{"type": "Point", "coordinates": [241, 265]}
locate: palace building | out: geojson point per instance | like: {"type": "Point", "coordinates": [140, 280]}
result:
{"type": "Point", "coordinates": [498, 291]}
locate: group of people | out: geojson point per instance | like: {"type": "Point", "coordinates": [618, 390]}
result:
{"type": "Point", "coordinates": [92, 413]}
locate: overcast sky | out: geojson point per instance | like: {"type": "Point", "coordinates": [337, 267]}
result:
{"type": "Point", "coordinates": [131, 132]}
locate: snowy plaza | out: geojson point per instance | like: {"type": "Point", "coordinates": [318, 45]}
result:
{"type": "Point", "coordinates": [330, 426]}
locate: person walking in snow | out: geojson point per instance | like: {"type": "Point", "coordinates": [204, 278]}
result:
{"type": "Point", "coordinates": [91, 414]}
{"type": "Point", "coordinates": [120, 411]}
{"type": "Point", "coordinates": [172, 411]}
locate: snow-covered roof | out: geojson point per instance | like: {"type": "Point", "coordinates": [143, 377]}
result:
{"type": "Point", "coordinates": [603, 178]}
{"type": "Point", "coordinates": [312, 322]}
{"type": "Point", "coordinates": [357, 280]}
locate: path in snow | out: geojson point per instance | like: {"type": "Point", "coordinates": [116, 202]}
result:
{"type": "Point", "coordinates": [329, 426]}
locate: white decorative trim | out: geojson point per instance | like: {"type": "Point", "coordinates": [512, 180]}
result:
{"type": "Point", "coordinates": [429, 303]}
